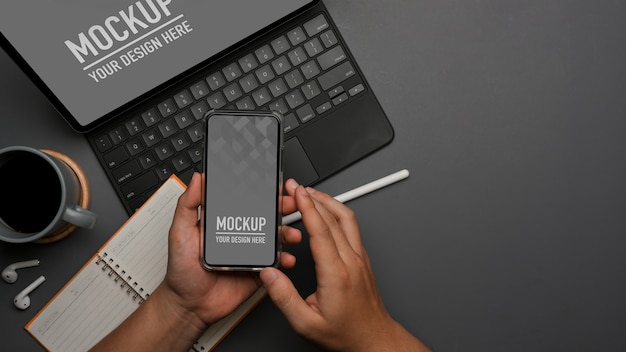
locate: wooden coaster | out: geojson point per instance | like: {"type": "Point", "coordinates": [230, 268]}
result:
{"type": "Point", "coordinates": [83, 201]}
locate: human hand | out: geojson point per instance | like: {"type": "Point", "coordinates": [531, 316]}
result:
{"type": "Point", "coordinates": [189, 298]}
{"type": "Point", "coordinates": [209, 295]}
{"type": "Point", "coordinates": [346, 311]}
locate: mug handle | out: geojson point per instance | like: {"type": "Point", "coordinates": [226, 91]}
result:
{"type": "Point", "coordinates": [80, 217]}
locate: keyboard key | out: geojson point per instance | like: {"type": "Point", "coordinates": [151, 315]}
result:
{"type": "Point", "coordinates": [134, 126]}
{"type": "Point", "coordinates": [294, 99]}
{"type": "Point", "coordinates": [216, 81]}
{"type": "Point", "coordinates": [248, 83]}
{"type": "Point", "coordinates": [183, 99]}
{"type": "Point", "coordinates": [232, 92]}
{"type": "Point", "coordinates": [216, 100]}
{"type": "Point", "coordinates": [166, 108]}
{"type": "Point", "coordinates": [335, 91]}
{"type": "Point", "coordinates": [231, 72]}
{"type": "Point", "coordinates": [103, 143]}
{"type": "Point", "coordinates": [329, 39]}
{"type": "Point", "coordinates": [118, 135]}
{"type": "Point", "coordinates": [245, 104]}
{"type": "Point", "coordinates": [313, 47]}
{"type": "Point", "coordinates": [195, 132]}
{"type": "Point", "coordinates": [147, 160]}
{"type": "Point", "coordinates": [126, 171]}
{"type": "Point", "coordinates": [323, 108]}
{"type": "Point", "coordinates": [280, 45]}
{"type": "Point", "coordinates": [151, 138]}
{"type": "Point", "coordinates": [135, 147]}
{"type": "Point", "coordinates": [294, 78]}
{"type": "Point", "coordinates": [150, 117]}
{"type": "Point", "coordinates": [305, 113]}
{"type": "Point", "coordinates": [184, 119]}
{"type": "Point", "coordinates": [310, 69]}
{"type": "Point", "coordinates": [164, 171]}
{"type": "Point", "coordinates": [115, 157]}
{"type": "Point", "coordinates": [261, 96]}
{"type": "Point", "coordinates": [264, 54]}
{"type": "Point", "coordinates": [248, 63]}
{"type": "Point", "coordinates": [139, 185]}
{"type": "Point", "coordinates": [279, 105]}
{"type": "Point", "coordinates": [180, 142]}
{"type": "Point", "coordinates": [199, 109]}
{"type": "Point", "coordinates": [290, 122]}
{"type": "Point", "coordinates": [199, 90]}
{"type": "Point", "coordinates": [296, 36]}
{"type": "Point", "coordinates": [278, 87]}
{"type": "Point", "coordinates": [181, 162]}
{"type": "Point", "coordinates": [336, 75]}
{"type": "Point", "coordinates": [316, 25]}
{"type": "Point", "coordinates": [164, 151]}
{"type": "Point", "coordinates": [340, 99]}
{"type": "Point", "coordinates": [167, 128]}
{"type": "Point", "coordinates": [331, 58]}
{"type": "Point", "coordinates": [297, 56]}
{"type": "Point", "coordinates": [281, 65]}
{"type": "Point", "coordinates": [356, 90]}
{"type": "Point", "coordinates": [311, 90]}
{"type": "Point", "coordinates": [195, 153]}
{"type": "Point", "coordinates": [265, 74]}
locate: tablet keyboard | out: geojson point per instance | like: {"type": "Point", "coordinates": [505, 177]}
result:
{"type": "Point", "coordinates": [303, 73]}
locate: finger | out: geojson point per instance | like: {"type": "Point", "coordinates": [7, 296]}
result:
{"type": "Point", "coordinates": [290, 187]}
{"type": "Point", "coordinates": [287, 260]}
{"type": "Point", "coordinates": [285, 296]}
{"type": "Point", "coordinates": [344, 216]}
{"type": "Point", "coordinates": [344, 247]}
{"type": "Point", "coordinates": [186, 214]}
{"type": "Point", "coordinates": [323, 246]}
{"type": "Point", "coordinates": [288, 205]}
{"type": "Point", "coordinates": [290, 235]}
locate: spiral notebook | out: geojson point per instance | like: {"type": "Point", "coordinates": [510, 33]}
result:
{"type": "Point", "coordinates": [119, 278]}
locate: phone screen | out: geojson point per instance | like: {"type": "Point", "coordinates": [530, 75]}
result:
{"type": "Point", "coordinates": [242, 177]}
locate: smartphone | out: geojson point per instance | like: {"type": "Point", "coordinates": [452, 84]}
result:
{"type": "Point", "coordinates": [241, 205]}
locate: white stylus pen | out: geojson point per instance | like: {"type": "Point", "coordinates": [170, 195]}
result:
{"type": "Point", "coordinates": [357, 192]}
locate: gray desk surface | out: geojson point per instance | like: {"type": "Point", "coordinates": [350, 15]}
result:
{"type": "Point", "coordinates": [510, 233]}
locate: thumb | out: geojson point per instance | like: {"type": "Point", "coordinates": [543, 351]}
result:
{"type": "Point", "coordinates": [285, 296]}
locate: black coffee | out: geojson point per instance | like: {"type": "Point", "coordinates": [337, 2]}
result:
{"type": "Point", "coordinates": [30, 192]}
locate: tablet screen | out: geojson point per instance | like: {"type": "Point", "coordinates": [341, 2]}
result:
{"type": "Point", "coordinates": [93, 57]}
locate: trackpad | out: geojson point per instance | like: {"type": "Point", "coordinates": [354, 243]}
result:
{"type": "Point", "coordinates": [296, 163]}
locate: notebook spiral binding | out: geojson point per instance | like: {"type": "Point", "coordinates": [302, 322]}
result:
{"type": "Point", "coordinates": [117, 274]}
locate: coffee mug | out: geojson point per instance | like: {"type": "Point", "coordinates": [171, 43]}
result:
{"type": "Point", "coordinates": [43, 196]}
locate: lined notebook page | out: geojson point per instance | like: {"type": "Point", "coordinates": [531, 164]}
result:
{"type": "Point", "coordinates": [138, 252]}
{"type": "Point", "coordinates": [89, 308]}
{"type": "Point", "coordinates": [112, 284]}
{"type": "Point", "coordinates": [99, 297]}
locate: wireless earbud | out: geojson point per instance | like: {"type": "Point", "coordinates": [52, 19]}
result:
{"type": "Point", "coordinates": [10, 275]}
{"type": "Point", "coordinates": [22, 300]}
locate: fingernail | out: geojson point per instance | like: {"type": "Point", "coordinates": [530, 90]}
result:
{"type": "Point", "coordinates": [311, 190]}
{"type": "Point", "coordinates": [291, 184]}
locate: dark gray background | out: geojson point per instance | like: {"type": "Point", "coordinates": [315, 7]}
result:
{"type": "Point", "coordinates": [509, 234]}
